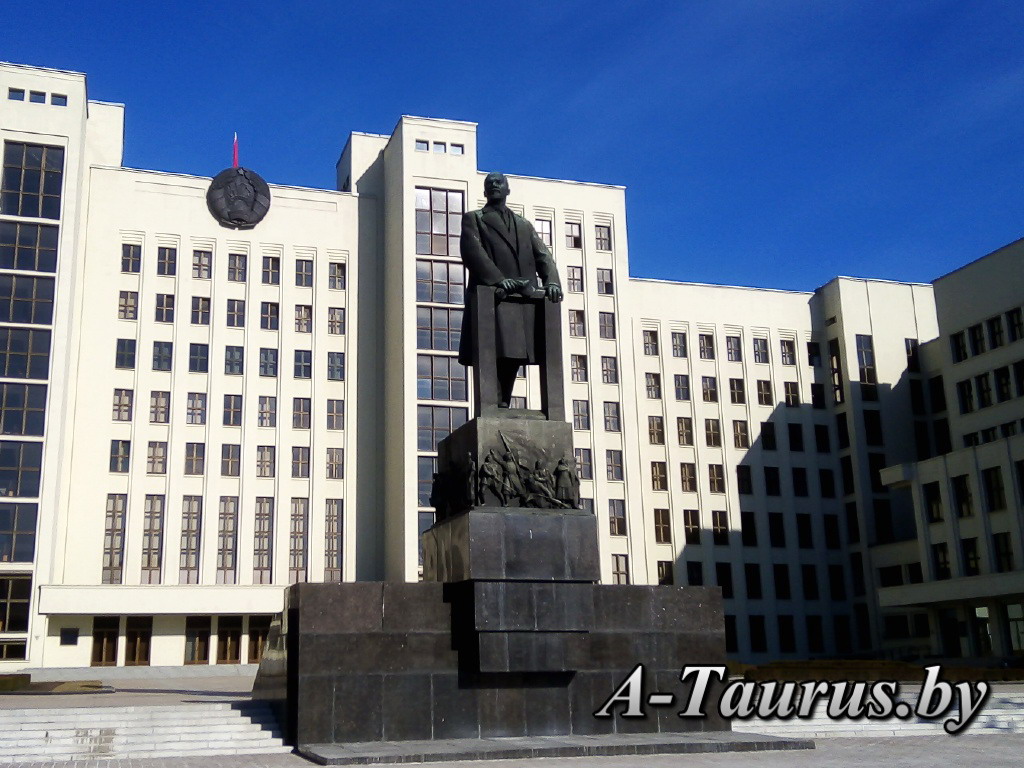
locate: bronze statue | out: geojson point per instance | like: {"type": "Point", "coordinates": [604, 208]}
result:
{"type": "Point", "coordinates": [501, 249]}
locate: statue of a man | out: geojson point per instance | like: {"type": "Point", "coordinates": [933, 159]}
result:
{"type": "Point", "coordinates": [502, 249]}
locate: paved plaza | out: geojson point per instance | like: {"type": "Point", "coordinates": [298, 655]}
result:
{"type": "Point", "coordinates": [902, 752]}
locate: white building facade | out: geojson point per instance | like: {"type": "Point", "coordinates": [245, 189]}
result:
{"type": "Point", "coordinates": [195, 416]}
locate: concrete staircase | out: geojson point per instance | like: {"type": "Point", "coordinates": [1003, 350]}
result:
{"type": "Point", "coordinates": [1003, 713]}
{"type": "Point", "coordinates": [178, 730]}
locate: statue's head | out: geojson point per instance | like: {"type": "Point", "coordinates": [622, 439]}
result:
{"type": "Point", "coordinates": [495, 187]}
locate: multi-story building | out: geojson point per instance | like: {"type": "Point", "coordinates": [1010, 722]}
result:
{"type": "Point", "coordinates": [195, 416]}
{"type": "Point", "coordinates": [965, 569]}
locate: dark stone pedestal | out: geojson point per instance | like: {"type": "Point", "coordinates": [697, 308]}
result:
{"type": "Point", "coordinates": [509, 544]}
{"type": "Point", "coordinates": [378, 661]}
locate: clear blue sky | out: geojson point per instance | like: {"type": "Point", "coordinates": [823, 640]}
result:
{"type": "Point", "coordinates": [774, 143]}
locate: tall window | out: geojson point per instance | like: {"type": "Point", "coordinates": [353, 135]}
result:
{"type": "Point", "coordinates": [684, 428]}
{"type": "Point", "coordinates": [335, 463]}
{"type": "Point", "coordinates": [335, 366]}
{"type": "Point", "coordinates": [200, 310]}
{"type": "Point", "coordinates": [440, 282]}
{"type": "Point", "coordinates": [336, 276]}
{"type": "Point", "coordinates": [230, 460]}
{"type": "Point", "coordinates": [653, 385]}
{"type": "Point", "coordinates": [304, 273]}
{"type": "Point", "coordinates": [303, 367]}
{"type": "Point", "coordinates": [688, 476]}
{"type": "Point", "coordinates": [761, 351]}
{"type": "Point", "coordinates": [202, 264]}
{"type": "Point", "coordinates": [574, 281]}
{"type": "Point", "coordinates": [733, 350]}
{"type": "Point", "coordinates": [544, 231]}
{"type": "Point", "coordinates": [612, 418]}
{"type": "Point", "coordinates": [866, 359]}
{"type": "Point", "coordinates": [617, 517]}
{"type": "Point", "coordinates": [159, 407]}
{"type": "Point", "coordinates": [152, 538]}
{"type": "Point", "coordinates": [656, 430]}
{"type": "Point", "coordinates": [128, 305]}
{"type": "Point", "coordinates": [650, 342]}
{"type": "Point", "coordinates": [578, 367]}
{"type": "Point", "coordinates": [163, 355]}
{"type": "Point", "coordinates": [662, 526]}
{"type": "Point", "coordinates": [605, 284]}
{"type": "Point", "coordinates": [581, 414]}
{"type": "Point", "coordinates": [31, 247]}
{"type": "Point", "coordinates": [271, 274]}
{"type": "Point", "coordinates": [113, 539]}
{"type": "Point", "coordinates": [120, 455]}
{"type": "Point", "coordinates": [438, 221]}
{"type": "Point", "coordinates": [268, 362]}
{"type": "Point", "coordinates": [573, 235]}
{"type": "Point", "coordinates": [195, 409]}
{"type": "Point", "coordinates": [191, 526]}
{"type": "Point", "coordinates": [577, 323]}
{"type": "Point", "coordinates": [709, 388]}
{"type": "Point", "coordinates": [603, 237]}
{"type": "Point", "coordinates": [659, 476]}
{"type": "Point", "coordinates": [336, 320]}
{"type": "Point", "coordinates": [166, 261]}
{"type": "Point", "coordinates": [32, 178]}
{"type": "Point", "coordinates": [234, 360]}
{"type": "Point", "coordinates": [614, 464]}
{"type": "Point", "coordinates": [265, 461]}
{"type": "Point", "coordinates": [620, 569]}
{"type": "Point", "coordinates": [195, 458]}
{"type": "Point", "coordinates": [300, 461]}
{"type": "Point", "coordinates": [232, 410]}
{"type": "Point", "coordinates": [335, 414]}
{"type": "Point", "coordinates": [263, 541]}
{"type": "Point", "coordinates": [606, 325]}
{"type": "Point", "coordinates": [298, 541]}
{"type": "Point", "coordinates": [156, 458]}
{"type": "Point", "coordinates": [270, 315]}
{"type": "Point", "coordinates": [681, 383]}
{"type": "Point", "coordinates": [788, 347]}
{"type": "Point", "coordinates": [123, 399]}
{"type": "Point", "coordinates": [737, 392]}
{"type": "Point", "coordinates": [227, 539]}
{"type": "Point", "coordinates": [584, 463]}
{"type": "Point", "coordinates": [333, 541]}
{"type": "Point", "coordinates": [706, 342]}
{"type": "Point", "coordinates": [713, 433]}
{"type": "Point", "coordinates": [678, 344]}
{"type": "Point", "coordinates": [435, 422]}
{"type": "Point", "coordinates": [266, 414]}
{"type": "Point", "coordinates": [237, 267]}
{"type": "Point", "coordinates": [131, 258]}
{"type": "Point", "coordinates": [198, 358]}
{"type": "Point", "coordinates": [609, 370]}
{"type": "Point", "coordinates": [236, 313]}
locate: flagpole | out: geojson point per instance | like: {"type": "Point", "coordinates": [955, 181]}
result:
{"type": "Point", "coordinates": [234, 151]}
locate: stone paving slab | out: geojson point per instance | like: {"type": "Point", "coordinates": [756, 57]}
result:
{"type": "Point", "coordinates": [998, 751]}
{"type": "Point", "coordinates": [449, 750]}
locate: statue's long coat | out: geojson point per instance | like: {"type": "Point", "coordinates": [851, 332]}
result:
{"type": "Point", "coordinates": [491, 253]}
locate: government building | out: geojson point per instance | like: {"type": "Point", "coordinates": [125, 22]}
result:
{"type": "Point", "coordinates": [196, 416]}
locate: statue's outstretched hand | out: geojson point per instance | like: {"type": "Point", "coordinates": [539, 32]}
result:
{"type": "Point", "coordinates": [553, 292]}
{"type": "Point", "coordinates": [509, 285]}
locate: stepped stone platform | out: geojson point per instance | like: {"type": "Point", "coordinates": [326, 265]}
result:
{"type": "Point", "coordinates": [544, 746]}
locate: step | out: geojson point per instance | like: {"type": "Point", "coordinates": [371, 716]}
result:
{"type": "Point", "coordinates": [17, 741]}
{"type": "Point", "coordinates": [190, 718]}
{"type": "Point", "coordinates": [37, 757]}
{"type": "Point", "coordinates": [242, 725]}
